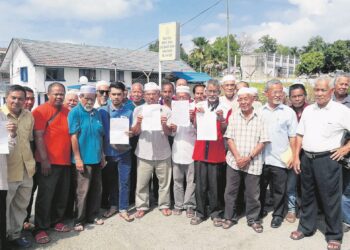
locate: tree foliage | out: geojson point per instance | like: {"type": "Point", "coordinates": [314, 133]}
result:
{"type": "Point", "coordinates": [268, 44]}
{"type": "Point", "coordinates": [310, 63]}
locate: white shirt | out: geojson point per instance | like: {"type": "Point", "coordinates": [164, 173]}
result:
{"type": "Point", "coordinates": [323, 128]}
{"type": "Point", "coordinates": [226, 104]}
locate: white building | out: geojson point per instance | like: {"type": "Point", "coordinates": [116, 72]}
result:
{"type": "Point", "coordinates": [36, 64]}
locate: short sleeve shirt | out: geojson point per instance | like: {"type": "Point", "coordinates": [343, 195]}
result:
{"type": "Point", "coordinates": [89, 129]}
{"type": "Point", "coordinates": [56, 135]}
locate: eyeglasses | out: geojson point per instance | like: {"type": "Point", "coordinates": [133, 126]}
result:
{"type": "Point", "coordinates": [103, 92]}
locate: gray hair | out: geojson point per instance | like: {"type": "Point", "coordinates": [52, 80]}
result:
{"type": "Point", "coordinates": [137, 84]}
{"type": "Point", "coordinates": [327, 79]}
{"type": "Point", "coordinates": [272, 82]}
{"type": "Point", "coordinates": [341, 75]}
{"type": "Point", "coordinates": [213, 82]}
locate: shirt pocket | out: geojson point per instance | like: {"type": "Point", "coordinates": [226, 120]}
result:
{"type": "Point", "coordinates": [329, 128]}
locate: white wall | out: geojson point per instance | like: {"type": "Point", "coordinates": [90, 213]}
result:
{"type": "Point", "coordinates": [21, 60]}
{"type": "Point", "coordinates": [127, 78]}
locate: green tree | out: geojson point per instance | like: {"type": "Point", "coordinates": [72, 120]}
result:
{"type": "Point", "coordinates": [267, 44]}
{"type": "Point", "coordinates": [154, 46]}
{"type": "Point", "coordinates": [283, 50]}
{"type": "Point", "coordinates": [310, 63]}
{"type": "Point", "coordinates": [337, 56]}
{"type": "Point", "coordinates": [316, 43]}
{"type": "Point", "coordinates": [198, 54]}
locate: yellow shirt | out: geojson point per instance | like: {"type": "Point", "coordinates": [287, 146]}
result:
{"type": "Point", "coordinates": [21, 157]}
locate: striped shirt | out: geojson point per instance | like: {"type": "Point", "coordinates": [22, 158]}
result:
{"type": "Point", "coordinates": [246, 134]}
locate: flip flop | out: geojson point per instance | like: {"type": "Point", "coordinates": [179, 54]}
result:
{"type": "Point", "coordinates": [297, 235]}
{"type": "Point", "coordinates": [139, 214]}
{"type": "Point", "coordinates": [109, 213]}
{"type": "Point", "coordinates": [257, 227]}
{"type": "Point", "coordinates": [126, 217]}
{"type": "Point", "coordinates": [60, 227]}
{"type": "Point", "coordinates": [42, 238]}
{"type": "Point", "coordinates": [78, 227]}
{"type": "Point", "coordinates": [98, 222]}
{"type": "Point", "coordinates": [166, 211]}
{"type": "Point", "coordinates": [333, 245]}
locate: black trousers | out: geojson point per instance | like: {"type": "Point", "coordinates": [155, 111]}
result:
{"type": "Point", "coordinates": [133, 171]}
{"type": "Point", "coordinates": [109, 183]}
{"type": "Point", "coordinates": [206, 179]}
{"type": "Point", "coordinates": [3, 240]}
{"type": "Point", "coordinates": [251, 194]}
{"type": "Point", "coordinates": [52, 197]}
{"type": "Point", "coordinates": [277, 178]}
{"type": "Point", "coordinates": [323, 176]}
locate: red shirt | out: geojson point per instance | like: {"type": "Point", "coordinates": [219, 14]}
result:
{"type": "Point", "coordinates": [56, 134]}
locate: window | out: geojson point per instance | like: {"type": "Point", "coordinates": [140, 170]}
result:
{"type": "Point", "coordinates": [89, 73]}
{"type": "Point", "coordinates": [55, 74]}
{"type": "Point", "coordinates": [120, 76]}
{"type": "Point", "coordinates": [24, 74]}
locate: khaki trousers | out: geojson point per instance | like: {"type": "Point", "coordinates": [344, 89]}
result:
{"type": "Point", "coordinates": [145, 169]}
{"type": "Point", "coordinates": [17, 200]}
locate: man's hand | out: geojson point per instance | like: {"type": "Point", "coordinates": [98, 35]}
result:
{"type": "Point", "coordinates": [220, 115]}
{"type": "Point", "coordinates": [339, 153]}
{"type": "Point", "coordinates": [191, 115]}
{"type": "Point", "coordinates": [296, 165]}
{"type": "Point", "coordinates": [243, 162]}
{"type": "Point", "coordinates": [290, 164]}
{"type": "Point", "coordinates": [79, 165]}
{"type": "Point", "coordinates": [45, 167]}
{"type": "Point", "coordinates": [103, 162]}
{"type": "Point", "coordinates": [173, 127]}
{"type": "Point", "coordinates": [12, 128]}
{"type": "Point", "coordinates": [200, 110]}
{"type": "Point", "coordinates": [163, 120]}
{"type": "Point", "coordinates": [129, 133]}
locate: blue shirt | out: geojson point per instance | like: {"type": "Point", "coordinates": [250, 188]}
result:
{"type": "Point", "coordinates": [129, 104]}
{"type": "Point", "coordinates": [108, 112]}
{"type": "Point", "coordinates": [282, 123]}
{"type": "Point", "coordinates": [88, 127]}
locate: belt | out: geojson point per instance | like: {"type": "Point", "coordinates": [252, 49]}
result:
{"type": "Point", "coordinates": [313, 155]}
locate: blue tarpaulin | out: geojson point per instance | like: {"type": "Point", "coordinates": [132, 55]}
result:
{"type": "Point", "coordinates": [192, 76]}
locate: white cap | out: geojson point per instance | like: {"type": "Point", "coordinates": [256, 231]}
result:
{"type": "Point", "coordinates": [183, 89]}
{"type": "Point", "coordinates": [228, 78]}
{"type": "Point", "coordinates": [245, 90]}
{"type": "Point", "coordinates": [72, 91]}
{"type": "Point", "coordinates": [87, 89]}
{"type": "Point", "coordinates": [102, 83]}
{"type": "Point", "coordinates": [83, 80]}
{"type": "Point", "coordinates": [254, 90]}
{"type": "Point", "coordinates": [150, 86]}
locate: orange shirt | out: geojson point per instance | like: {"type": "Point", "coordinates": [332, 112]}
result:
{"type": "Point", "coordinates": [56, 135]}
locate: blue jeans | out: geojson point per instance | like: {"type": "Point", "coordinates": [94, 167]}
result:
{"type": "Point", "coordinates": [292, 190]}
{"type": "Point", "coordinates": [346, 196]}
{"type": "Point", "coordinates": [120, 191]}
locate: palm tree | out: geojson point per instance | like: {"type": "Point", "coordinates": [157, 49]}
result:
{"type": "Point", "coordinates": [199, 52]}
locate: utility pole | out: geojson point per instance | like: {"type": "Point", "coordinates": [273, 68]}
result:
{"type": "Point", "coordinates": [228, 39]}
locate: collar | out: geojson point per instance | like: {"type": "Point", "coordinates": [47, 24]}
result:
{"type": "Point", "coordinates": [7, 112]}
{"type": "Point", "coordinates": [327, 107]}
{"type": "Point", "coordinates": [114, 109]}
{"type": "Point", "coordinates": [344, 101]}
{"type": "Point", "coordinates": [92, 112]}
{"type": "Point", "coordinates": [254, 114]}
{"type": "Point", "coordinates": [280, 106]}
{"type": "Point", "coordinates": [302, 108]}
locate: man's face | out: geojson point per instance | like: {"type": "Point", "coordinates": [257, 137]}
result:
{"type": "Point", "coordinates": [102, 95]}
{"type": "Point", "coordinates": [71, 101]}
{"type": "Point", "coordinates": [229, 88]}
{"type": "Point", "coordinates": [212, 93]}
{"type": "Point", "coordinates": [181, 82]}
{"type": "Point", "coordinates": [167, 92]}
{"type": "Point", "coordinates": [182, 96]}
{"type": "Point", "coordinates": [245, 102]}
{"type": "Point", "coordinates": [297, 98]}
{"type": "Point", "coordinates": [199, 94]}
{"type": "Point", "coordinates": [88, 101]}
{"type": "Point", "coordinates": [323, 93]}
{"type": "Point", "coordinates": [56, 95]}
{"type": "Point", "coordinates": [116, 96]}
{"type": "Point", "coordinates": [275, 94]}
{"type": "Point", "coordinates": [15, 101]}
{"type": "Point", "coordinates": [342, 86]}
{"type": "Point", "coordinates": [30, 100]}
{"type": "Point", "coordinates": [152, 96]}
{"type": "Point", "coordinates": [136, 93]}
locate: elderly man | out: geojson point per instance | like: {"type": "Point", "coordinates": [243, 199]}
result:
{"type": "Point", "coordinates": [30, 99]}
{"type": "Point", "coordinates": [102, 91]}
{"type": "Point", "coordinates": [180, 82]}
{"type": "Point", "coordinates": [118, 156]}
{"type": "Point", "coordinates": [183, 166]}
{"type": "Point", "coordinates": [153, 154]}
{"type": "Point", "coordinates": [319, 134]}
{"type": "Point", "coordinates": [53, 163]}
{"type": "Point", "coordinates": [136, 94]}
{"type": "Point", "coordinates": [21, 164]}
{"type": "Point", "coordinates": [209, 157]}
{"type": "Point", "coordinates": [86, 130]}
{"type": "Point", "coordinates": [198, 93]}
{"type": "Point", "coordinates": [12, 129]}
{"type": "Point", "coordinates": [341, 88]}
{"type": "Point", "coordinates": [282, 124]}
{"type": "Point", "coordinates": [228, 84]}
{"type": "Point", "coordinates": [71, 99]}
{"type": "Point", "coordinates": [246, 137]}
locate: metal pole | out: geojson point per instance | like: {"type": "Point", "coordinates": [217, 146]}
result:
{"type": "Point", "coordinates": [160, 74]}
{"type": "Point", "coordinates": [228, 39]}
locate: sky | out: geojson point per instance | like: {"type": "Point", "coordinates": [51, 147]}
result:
{"type": "Point", "coordinates": [134, 23]}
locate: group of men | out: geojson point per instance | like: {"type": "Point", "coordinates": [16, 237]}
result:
{"type": "Point", "coordinates": [63, 149]}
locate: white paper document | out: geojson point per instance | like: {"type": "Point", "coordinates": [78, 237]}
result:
{"type": "Point", "coordinates": [4, 145]}
{"type": "Point", "coordinates": [118, 131]}
{"type": "Point", "coordinates": [206, 126]}
{"type": "Point", "coordinates": [180, 114]}
{"type": "Point", "coordinates": [151, 117]}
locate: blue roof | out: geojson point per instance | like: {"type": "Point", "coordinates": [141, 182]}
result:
{"type": "Point", "coordinates": [192, 76]}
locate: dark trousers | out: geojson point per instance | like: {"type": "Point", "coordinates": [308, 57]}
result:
{"type": "Point", "coordinates": [109, 184]}
{"type": "Point", "coordinates": [51, 200]}
{"type": "Point", "coordinates": [3, 240]}
{"type": "Point", "coordinates": [206, 179]}
{"type": "Point", "coordinates": [323, 176]}
{"type": "Point", "coordinates": [133, 171]}
{"type": "Point", "coordinates": [89, 190]}
{"type": "Point", "coordinates": [70, 212]}
{"type": "Point", "coordinates": [277, 177]}
{"type": "Point", "coordinates": [251, 194]}
{"type": "Point", "coordinates": [30, 205]}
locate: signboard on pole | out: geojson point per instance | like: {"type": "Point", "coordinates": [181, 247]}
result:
{"type": "Point", "coordinates": [169, 41]}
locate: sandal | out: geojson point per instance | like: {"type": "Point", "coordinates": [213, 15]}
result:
{"type": "Point", "coordinates": [126, 216]}
{"type": "Point", "coordinates": [217, 222]}
{"type": "Point", "coordinates": [166, 211]}
{"type": "Point", "coordinates": [98, 222]}
{"type": "Point", "coordinates": [257, 227]}
{"type": "Point", "coordinates": [109, 213]}
{"type": "Point", "coordinates": [297, 235]}
{"type": "Point", "coordinates": [78, 227]}
{"type": "Point", "coordinates": [196, 220]}
{"type": "Point", "coordinates": [42, 238]}
{"type": "Point", "coordinates": [27, 226]}
{"type": "Point", "coordinates": [139, 214]}
{"type": "Point", "coordinates": [189, 212]}
{"type": "Point", "coordinates": [177, 211]}
{"type": "Point", "coordinates": [334, 245]}
{"type": "Point", "coordinates": [60, 227]}
{"type": "Point", "coordinates": [226, 224]}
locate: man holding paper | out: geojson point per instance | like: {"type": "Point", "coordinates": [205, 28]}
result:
{"type": "Point", "coordinates": [116, 120]}
{"type": "Point", "coordinates": [153, 150]}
